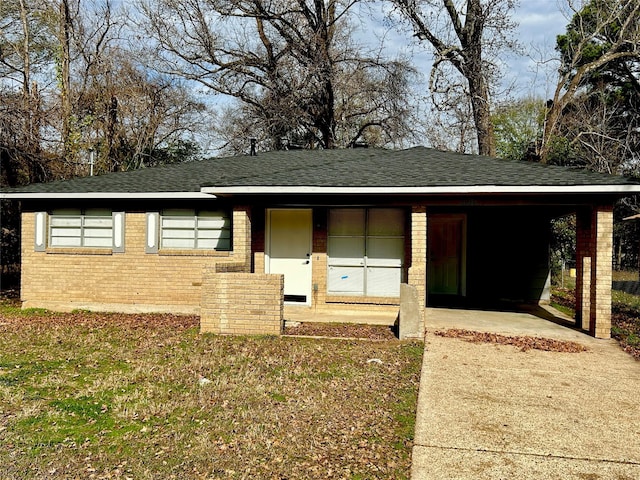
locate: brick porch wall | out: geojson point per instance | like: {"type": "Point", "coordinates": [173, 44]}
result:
{"type": "Point", "coordinates": [242, 303]}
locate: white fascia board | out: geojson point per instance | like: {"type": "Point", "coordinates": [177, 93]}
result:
{"type": "Point", "coordinates": [107, 195]}
{"type": "Point", "coordinates": [458, 190]}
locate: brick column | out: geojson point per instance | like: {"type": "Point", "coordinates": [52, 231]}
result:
{"type": "Point", "coordinates": [418, 268]}
{"type": "Point", "coordinates": [594, 255]}
{"type": "Point", "coordinates": [242, 235]}
{"type": "Point", "coordinates": [583, 268]}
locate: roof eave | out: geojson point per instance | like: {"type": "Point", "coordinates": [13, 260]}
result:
{"type": "Point", "coordinates": [105, 195]}
{"type": "Point", "coordinates": [443, 190]}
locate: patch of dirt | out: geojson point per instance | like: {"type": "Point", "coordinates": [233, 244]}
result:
{"type": "Point", "coordinates": [524, 343]}
{"type": "Point", "coordinates": [339, 330]}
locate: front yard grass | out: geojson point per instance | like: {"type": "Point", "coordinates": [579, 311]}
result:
{"type": "Point", "coordinates": [88, 395]}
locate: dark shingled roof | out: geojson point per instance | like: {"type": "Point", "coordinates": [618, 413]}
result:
{"type": "Point", "coordinates": [361, 167]}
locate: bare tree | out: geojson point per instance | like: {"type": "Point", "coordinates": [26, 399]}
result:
{"type": "Point", "coordinates": [23, 53]}
{"type": "Point", "coordinates": [602, 36]}
{"type": "Point", "coordinates": [467, 36]}
{"type": "Point", "coordinates": [286, 62]}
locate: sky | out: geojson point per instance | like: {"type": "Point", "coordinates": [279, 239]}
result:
{"type": "Point", "coordinates": [539, 22]}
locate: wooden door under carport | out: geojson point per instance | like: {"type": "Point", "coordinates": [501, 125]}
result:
{"type": "Point", "coordinates": [446, 247]}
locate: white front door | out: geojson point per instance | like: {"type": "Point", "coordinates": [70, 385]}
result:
{"type": "Point", "coordinates": [289, 251]}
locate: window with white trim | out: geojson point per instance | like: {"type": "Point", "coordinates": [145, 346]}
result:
{"type": "Point", "coordinates": [74, 227]}
{"type": "Point", "coordinates": [365, 251]}
{"type": "Point", "coordinates": [195, 229]}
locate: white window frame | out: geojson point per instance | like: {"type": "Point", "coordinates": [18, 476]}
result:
{"type": "Point", "coordinates": [90, 228]}
{"type": "Point", "coordinates": [363, 268]}
{"type": "Point", "coordinates": [177, 227]}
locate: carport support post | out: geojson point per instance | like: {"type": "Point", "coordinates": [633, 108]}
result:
{"type": "Point", "coordinates": [594, 254]}
{"type": "Point", "coordinates": [418, 267]}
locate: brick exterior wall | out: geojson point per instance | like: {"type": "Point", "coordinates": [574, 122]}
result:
{"type": "Point", "coordinates": [133, 281]}
{"type": "Point", "coordinates": [594, 252]}
{"type": "Point", "coordinates": [242, 303]}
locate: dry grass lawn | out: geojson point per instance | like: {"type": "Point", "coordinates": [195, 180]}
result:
{"type": "Point", "coordinates": [119, 396]}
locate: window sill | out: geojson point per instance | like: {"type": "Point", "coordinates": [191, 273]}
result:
{"type": "Point", "coordinates": [193, 253]}
{"type": "Point", "coordinates": [79, 251]}
{"type": "Point", "coordinates": [362, 300]}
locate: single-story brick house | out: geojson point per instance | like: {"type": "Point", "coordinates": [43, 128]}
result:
{"type": "Point", "coordinates": [241, 240]}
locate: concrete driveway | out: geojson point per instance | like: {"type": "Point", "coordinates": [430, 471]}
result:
{"type": "Point", "coordinates": [494, 412]}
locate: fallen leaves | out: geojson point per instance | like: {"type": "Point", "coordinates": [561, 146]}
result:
{"type": "Point", "coordinates": [524, 343]}
{"type": "Point", "coordinates": [341, 330]}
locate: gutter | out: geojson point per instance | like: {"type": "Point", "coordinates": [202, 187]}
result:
{"type": "Point", "coordinates": [107, 195]}
{"type": "Point", "coordinates": [458, 190]}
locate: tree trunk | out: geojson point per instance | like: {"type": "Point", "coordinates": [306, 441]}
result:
{"type": "Point", "coordinates": [65, 80]}
{"type": "Point", "coordinates": [326, 118]}
{"type": "Point", "coordinates": [482, 115]}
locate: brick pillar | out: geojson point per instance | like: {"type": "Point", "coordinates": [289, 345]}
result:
{"type": "Point", "coordinates": [594, 255]}
{"type": "Point", "coordinates": [242, 235]}
{"type": "Point", "coordinates": [418, 268]}
{"type": "Point", "coordinates": [583, 268]}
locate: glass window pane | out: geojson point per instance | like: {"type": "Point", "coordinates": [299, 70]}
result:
{"type": "Point", "coordinates": [213, 234]}
{"type": "Point", "coordinates": [386, 221]}
{"type": "Point", "coordinates": [346, 221]}
{"type": "Point", "coordinates": [178, 212]}
{"type": "Point", "coordinates": [97, 212]}
{"type": "Point", "coordinates": [65, 221]}
{"type": "Point", "coordinates": [105, 222]}
{"type": "Point", "coordinates": [98, 242]}
{"type": "Point", "coordinates": [208, 243]}
{"type": "Point", "coordinates": [346, 251]}
{"type": "Point", "coordinates": [345, 280]}
{"type": "Point", "coordinates": [385, 251]}
{"type": "Point", "coordinates": [178, 234]}
{"type": "Point", "coordinates": [177, 243]}
{"type": "Point", "coordinates": [217, 223]}
{"type": "Point", "coordinates": [65, 232]}
{"type": "Point", "coordinates": [383, 282]}
{"type": "Point", "coordinates": [66, 211]}
{"type": "Point", "coordinates": [98, 233]}
{"type": "Point", "coordinates": [65, 241]}
{"type": "Point", "coordinates": [179, 222]}
{"type": "Point", "coordinates": [222, 244]}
